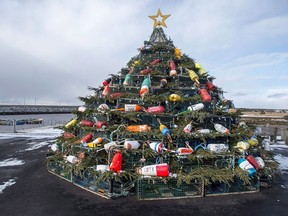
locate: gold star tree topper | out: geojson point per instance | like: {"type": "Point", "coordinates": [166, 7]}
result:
{"type": "Point", "coordinates": [159, 19]}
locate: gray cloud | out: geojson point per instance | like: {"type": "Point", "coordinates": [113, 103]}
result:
{"type": "Point", "coordinates": [52, 50]}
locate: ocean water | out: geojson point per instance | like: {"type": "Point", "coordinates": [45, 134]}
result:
{"type": "Point", "coordinates": [48, 120]}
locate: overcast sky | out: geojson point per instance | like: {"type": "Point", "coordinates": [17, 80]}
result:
{"type": "Point", "coordinates": [51, 51]}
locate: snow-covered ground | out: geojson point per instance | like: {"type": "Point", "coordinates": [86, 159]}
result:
{"type": "Point", "coordinates": [36, 135]}
{"type": "Point", "coordinates": [11, 162]}
{"type": "Point", "coordinates": [43, 132]}
{"type": "Point", "coordinates": [7, 184]}
{"type": "Point", "coordinates": [281, 159]}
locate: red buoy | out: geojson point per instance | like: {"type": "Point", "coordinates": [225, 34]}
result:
{"type": "Point", "coordinates": [156, 61]}
{"type": "Point", "coordinates": [106, 90]}
{"type": "Point", "coordinates": [116, 164]}
{"type": "Point", "coordinates": [86, 123]}
{"type": "Point", "coordinates": [145, 71]}
{"type": "Point", "coordinates": [106, 82]}
{"type": "Point", "coordinates": [253, 162]}
{"type": "Point", "coordinates": [87, 138]}
{"type": "Point", "coordinates": [156, 109]}
{"type": "Point", "coordinates": [205, 95]}
{"type": "Point", "coordinates": [116, 94]}
{"type": "Point", "coordinates": [68, 135]}
{"type": "Point", "coordinates": [210, 86]}
{"type": "Point", "coordinates": [101, 124]}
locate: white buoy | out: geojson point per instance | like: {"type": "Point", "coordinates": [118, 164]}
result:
{"type": "Point", "coordinates": [54, 147]}
{"type": "Point", "coordinates": [131, 144]}
{"type": "Point", "coordinates": [72, 159]}
{"type": "Point", "coordinates": [102, 167]}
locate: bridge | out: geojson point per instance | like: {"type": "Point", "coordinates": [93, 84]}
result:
{"type": "Point", "coordinates": [35, 109]}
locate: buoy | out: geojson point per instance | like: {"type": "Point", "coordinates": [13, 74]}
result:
{"type": "Point", "coordinates": [163, 83]}
{"type": "Point", "coordinates": [210, 86]}
{"type": "Point", "coordinates": [98, 140]}
{"type": "Point", "coordinates": [156, 61]}
{"type": "Point", "coordinates": [86, 123]}
{"type": "Point", "coordinates": [260, 162]}
{"type": "Point", "coordinates": [116, 94]}
{"type": "Point", "coordinates": [196, 107]}
{"type": "Point", "coordinates": [220, 128]}
{"type": "Point", "coordinates": [253, 141]}
{"type": "Point", "coordinates": [106, 90]}
{"type": "Point", "coordinates": [138, 128]}
{"type": "Point", "coordinates": [131, 108]}
{"type": "Point", "coordinates": [155, 109]}
{"type": "Point", "coordinates": [245, 165]}
{"type": "Point", "coordinates": [116, 164]}
{"type": "Point", "coordinates": [103, 107]}
{"type": "Point", "coordinates": [218, 147]}
{"type": "Point", "coordinates": [253, 162]}
{"type": "Point", "coordinates": [93, 145]}
{"type": "Point", "coordinates": [106, 81]}
{"type": "Point", "coordinates": [145, 87]}
{"type": "Point", "coordinates": [54, 147]}
{"type": "Point", "coordinates": [184, 151]}
{"type": "Point", "coordinates": [193, 76]}
{"type": "Point", "coordinates": [101, 125]}
{"type": "Point", "coordinates": [145, 71]}
{"type": "Point", "coordinates": [175, 98]}
{"type": "Point", "coordinates": [160, 170]}
{"type": "Point", "coordinates": [205, 95]}
{"type": "Point", "coordinates": [127, 80]}
{"type": "Point", "coordinates": [131, 144]}
{"type": "Point", "coordinates": [177, 53]}
{"type": "Point", "coordinates": [165, 131]}
{"type": "Point", "coordinates": [188, 128]}
{"type": "Point", "coordinates": [242, 146]}
{"type": "Point", "coordinates": [201, 70]}
{"type": "Point", "coordinates": [157, 147]}
{"type": "Point", "coordinates": [81, 109]}
{"type": "Point", "coordinates": [172, 67]}
{"type": "Point", "coordinates": [68, 135]}
{"type": "Point", "coordinates": [109, 145]}
{"type": "Point", "coordinates": [71, 123]}
{"type": "Point", "coordinates": [102, 168]}
{"type": "Point", "coordinates": [87, 138]}
{"type": "Point", "coordinates": [204, 131]}
{"type": "Point", "coordinates": [72, 159]}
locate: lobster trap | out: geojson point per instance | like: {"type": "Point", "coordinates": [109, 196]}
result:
{"type": "Point", "coordinates": [233, 187]}
{"type": "Point", "coordinates": [166, 188]}
{"type": "Point", "coordinates": [88, 179]}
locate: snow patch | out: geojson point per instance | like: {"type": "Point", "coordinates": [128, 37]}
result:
{"type": "Point", "coordinates": [39, 133]}
{"type": "Point", "coordinates": [7, 184]}
{"type": "Point", "coordinates": [36, 145]}
{"type": "Point", "coordinates": [283, 162]}
{"type": "Point", "coordinates": [277, 146]}
{"type": "Point", "coordinates": [11, 162]}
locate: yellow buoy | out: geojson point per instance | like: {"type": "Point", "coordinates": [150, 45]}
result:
{"type": "Point", "coordinates": [71, 123]}
{"type": "Point", "coordinates": [175, 98]}
{"type": "Point", "coordinates": [201, 70]}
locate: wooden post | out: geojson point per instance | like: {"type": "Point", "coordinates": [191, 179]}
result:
{"type": "Point", "coordinates": [14, 126]}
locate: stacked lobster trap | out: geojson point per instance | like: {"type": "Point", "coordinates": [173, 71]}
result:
{"type": "Point", "coordinates": [159, 129]}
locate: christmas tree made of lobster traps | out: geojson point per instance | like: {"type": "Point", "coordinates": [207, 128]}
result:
{"type": "Point", "coordinates": [160, 118]}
